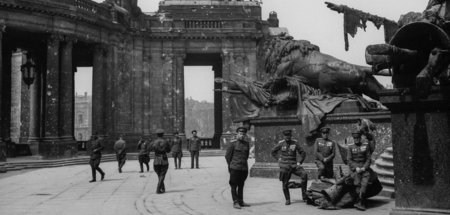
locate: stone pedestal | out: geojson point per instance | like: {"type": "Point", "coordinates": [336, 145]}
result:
{"type": "Point", "coordinates": [421, 141]}
{"type": "Point", "coordinates": [268, 131]}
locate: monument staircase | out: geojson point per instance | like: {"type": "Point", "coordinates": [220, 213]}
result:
{"type": "Point", "coordinates": [384, 167]}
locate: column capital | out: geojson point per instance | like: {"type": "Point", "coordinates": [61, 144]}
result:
{"type": "Point", "coordinates": [180, 55]}
{"type": "Point", "coordinates": [2, 26]}
{"type": "Point", "coordinates": [167, 56]}
{"type": "Point", "coordinates": [70, 39]}
{"type": "Point", "coordinates": [54, 38]}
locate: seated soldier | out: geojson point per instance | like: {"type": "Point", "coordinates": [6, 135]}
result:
{"type": "Point", "coordinates": [359, 158]}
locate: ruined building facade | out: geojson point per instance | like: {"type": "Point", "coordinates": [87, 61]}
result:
{"type": "Point", "coordinates": [137, 59]}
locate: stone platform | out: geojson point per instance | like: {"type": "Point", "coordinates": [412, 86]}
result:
{"type": "Point", "coordinates": [66, 191]}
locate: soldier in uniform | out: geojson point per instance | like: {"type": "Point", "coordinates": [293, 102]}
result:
{"type": "Point", "coordinates": [143, 156]}
{"type": "Point", "coordinates": [324, 150]}
{"type": "Point", "coordinates": [121, 153]}
{"type": "Point", "coordinates": [236, 157]}
{"type": "Point", "coordinates": [359, 158]}
{"type": "Point", "coordinates": [177, 153]}
{"type": "Point", "coordinates": [194, 147]}
{"type": "Point", "coordinates": [96, 156]}
{"type": "Point", "coordinates": [161, 163]}
{"type": "Point", "coordinates": [290, 159]}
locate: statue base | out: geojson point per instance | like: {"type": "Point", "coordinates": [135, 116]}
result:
{"type": "Point", "coordinates": [268, 132]}
{"type": "Point", "coordinates": [421, 144]}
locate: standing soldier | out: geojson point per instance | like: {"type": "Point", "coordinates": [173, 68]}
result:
{"type": "Point", "coordinates": [290, 159]}
{"type": "Point", "coordinates": [194, 146]}
{"type": "Point", "coordinates": [143, 156]}
{"type": "Point", "coordinates": [358, 158]}
{"type": "Point", "coordinates": [237, 156]}
{"type": "Point", "coordinates": [161, 162]}
{"type": "Point", "coordinates": [96, 156]}
{"type": "Point", "coordinates": [121, 153]}
{"type": "Point", "coordinates": [177, 153]}
{"type": "Point", "coordinates": [324, 150]}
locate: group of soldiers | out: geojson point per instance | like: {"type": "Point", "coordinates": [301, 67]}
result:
{"type": "Point", "coordinates": [288, 152]}
{"type": "Point", "coordinates": [159, 146]}
{"type": "Point", "coordinates": [290, 156]}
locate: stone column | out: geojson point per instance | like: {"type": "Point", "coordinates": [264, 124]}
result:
{"type": "Point", "coordinates": [218, 126]}
{"type": "Point", "coordinates": [227, 65]}
{"type": "Point", "coordinates": [52, 89]}
{"type": "Point", "coordinates": [179, 93]}
{"type": "Point", "coordinates": [35, 113]}
{"type": "Point", "coordinates": [421, 143]}
{"type": "Point", "coordinates": [110, 66]}
{"type": "Point", "coordinates": [167, 93]}
{"type": "Point", "coordinates": [98, 93]}
{"type": "Point", "coordinates": [2, 143]}
{"type": "Point", "coordinates": [49, 145]}
{"type": "Point", "coordinates": [66, 107]}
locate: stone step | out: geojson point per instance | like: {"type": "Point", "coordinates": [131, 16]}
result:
{"type": "Point", "coordinates": [383, 172]}
{"type": "Point", "coordinates": [388, 157]}
{"type": "Point", "coordinates": [34, 164]}
{"type": "Point", "coordinates": [385, 165]}
{"type": "Point", "coordinates": [388, 182]}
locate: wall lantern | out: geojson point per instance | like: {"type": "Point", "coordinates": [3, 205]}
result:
{"type": "Point", "coordinates": [28, 71]}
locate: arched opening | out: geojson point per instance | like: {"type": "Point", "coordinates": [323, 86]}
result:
{"type": "Point", "coordinates": [203, 106]}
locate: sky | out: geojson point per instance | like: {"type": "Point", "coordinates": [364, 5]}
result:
{"type": "Point", "coordinates": [311, 20]}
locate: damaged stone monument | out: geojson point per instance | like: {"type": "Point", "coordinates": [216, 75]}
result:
{"type": "Point", "coordinates": [302, 89]}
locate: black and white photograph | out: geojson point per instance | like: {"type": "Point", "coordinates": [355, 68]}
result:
{"type": "Point", "coordinates": [219, 107]}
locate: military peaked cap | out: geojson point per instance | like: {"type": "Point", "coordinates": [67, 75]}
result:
{"type": "Point", "coordinates": [193, 131]}
{"type": "Point", "coordinates": [325, 130]}
{"type": "Point", "coordinates": [159, 131]}
{"type": "Point", "coordinates": [241, 129]}
{"type": "Point", "coordinates": [356, 134]}
{"type": "Point", "coordinates": [287, 132]}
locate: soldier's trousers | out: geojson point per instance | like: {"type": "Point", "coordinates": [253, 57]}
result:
{"type": "Point", "coordinates": [144, 159]}
{"type": "Point", "coordinates": [324, 169]}
{"type": "Point", "coordinates": [177, 157]}
{"type": "Point", "coordinates": [121, 158]}
{"type": "Point", "coordinates": [285, 176]}
{"type": "Point", "coordinates": [237, 181]}
{"type": "Point", "coordinates": [95, 166]}
{"type": "Point", "coordinates": [194, 155]}
{"type": "Point", "coordinates": [161, 171]}
{"type": "Point", "coordinates": [361, 181]}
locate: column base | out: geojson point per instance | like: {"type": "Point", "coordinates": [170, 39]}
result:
{"type": "Point", "coordinates": [2, 151]}
{"type": "Point", "coordinates": [272, 170]}
{"type": "Point", "coordinates": [418, 211]}
{"type": "Point", "coordinates": [56, 148]}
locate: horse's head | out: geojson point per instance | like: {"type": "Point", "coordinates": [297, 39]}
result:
{"type": "Point", "coordinates": [438, 61]}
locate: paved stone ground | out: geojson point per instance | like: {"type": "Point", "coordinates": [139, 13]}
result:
{"type": "Point", "coordinates": [65, 190]}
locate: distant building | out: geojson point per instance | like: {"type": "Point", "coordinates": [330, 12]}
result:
{"type": "Point", "coordinates": [83, 117]}
{"type": "Point", "coordinates": [199, 116]}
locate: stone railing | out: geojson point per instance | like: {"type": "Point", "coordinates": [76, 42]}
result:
{"type": "Point", "coordinates": [81, 9]}
{"type": "Point", "coordinates": [202, 24]}
{"type": "Point", "coordinates": [206, 143]}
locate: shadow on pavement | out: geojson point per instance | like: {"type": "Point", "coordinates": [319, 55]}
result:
{"type": "Point", "coordinates": [261, 203]}
{"type": "Point", "coordinates": [112, 179]}
{"type": "Point", "coordinates": [179, 191]}
{"type": "Point", "coordinates": [374, 203]}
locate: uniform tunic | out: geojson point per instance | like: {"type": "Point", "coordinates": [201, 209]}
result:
{"type": "Point", "coordinates": [324, 149]}
{"type": "Point", "coordinates": [236, 156]}
{"type": "Point", "coordinates": [291, 153]}
{"type": "Point", "coordinates": [121, 153]}
{"type": "Point", "coordinates": [144, 150]}
{"type": "Point", "coordinates": [176, 147]}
